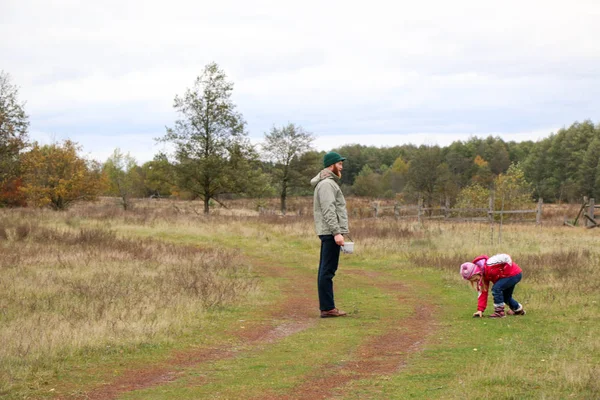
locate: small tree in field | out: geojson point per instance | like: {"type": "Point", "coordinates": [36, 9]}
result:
{"type": "Point", "coordinates": [209, 138]}
{"type": "Point", "coordinates": [473, 196]}
{"type": "Point", "coordinates": [124, 179]}
{"type": "Point", "coordinates": [159, 177]}
{"type": "Point", "coordinates": [283, 146]}
{"type": "Point", "coordinates": [512, 189]}
{"type": "Point", "coordinates": [55, 176]}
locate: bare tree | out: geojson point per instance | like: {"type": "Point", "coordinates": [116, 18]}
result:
{"type": "Point", "coordinates": [282, 146]}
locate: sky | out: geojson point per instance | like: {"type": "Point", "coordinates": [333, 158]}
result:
{"type": "Point", "coordinates": [104, 74]}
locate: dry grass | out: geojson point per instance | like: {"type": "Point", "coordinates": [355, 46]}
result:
{"type": "Point", "coordinates": [64, 290]}
{"type": "Point", "coordinates": [550, 254]}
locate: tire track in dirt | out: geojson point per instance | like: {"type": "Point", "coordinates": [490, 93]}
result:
{"type": "Point", "coordinates": [384, 354]}
{"type": "Point", "coordinates": [297, 296]}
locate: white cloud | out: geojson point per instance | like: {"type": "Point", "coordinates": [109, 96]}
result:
{"type": "Point", "coordinates": [142, 147]}
{"type": "Point", "coordinates": [395, 67]}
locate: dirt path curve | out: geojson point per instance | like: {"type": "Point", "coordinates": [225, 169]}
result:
{"type": "Point", "coordinates": [381, 355]}
{"type": "Point", "coordinates": [297, 296]}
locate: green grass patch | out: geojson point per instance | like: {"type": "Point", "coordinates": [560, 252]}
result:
{"type": "Point", "coordinates": [281, 366]}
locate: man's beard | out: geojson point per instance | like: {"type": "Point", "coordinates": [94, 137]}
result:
{"type": "Point", "coordinates": [336, 171]}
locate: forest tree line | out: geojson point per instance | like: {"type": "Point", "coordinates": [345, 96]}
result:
{"type": "Point", "coordinates": [213, 161]}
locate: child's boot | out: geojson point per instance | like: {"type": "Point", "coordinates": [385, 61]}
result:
{"type": "Point", "coordinates": [498, 311]}
{"type": "Point", "coordinates": [519, 311]}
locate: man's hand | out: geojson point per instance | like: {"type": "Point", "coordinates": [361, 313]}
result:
{"type": "Point", "coordinates": [478, 314]}
{"type": "Point", "coordinates": [339, 239]}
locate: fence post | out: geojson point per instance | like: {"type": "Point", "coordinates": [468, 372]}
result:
{"type": "Point", "coordinates": [446, 208]}
{"type": "Point", "coordinates": [491, 217]}
{"type": "Point", "coordinates": [538, 215]}
{"type": "Point", "coordinates": [376, 208]}
{"type": "Point", "coordinates": [590, 221]}
{"type": "Point", "coordinates": [419, 209]}
{"type": "Point", "coordinates": [491, 208]}
{"type": "Point", "coordinates": [501, 220]}
{"type": "Point", "coordinates": [397, 209]}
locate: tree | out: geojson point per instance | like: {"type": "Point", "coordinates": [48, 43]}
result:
{"type": "Point", "coordinates": [356, 160]}
{"type": "Point", "coordinates": [54, 175]}
{"type": "Point", "coordinates": [248, 179]}
{"type": "Point", "coordinates": [206, 136]}
{"type": "Point", "coordinates": [518, 151]}
{"type": "Point", "coordinates": [124, 177]}
{"type": "Point", "coordinates": [586, 175]}
{"type": "Point", "coordinates": [483, 174]}
{"type": "Point", "coordinates": [500, 159]}
{"type": "Point", "coordinates": [566, 154]}
{"type": "Point", "coordinates": [473, 196]}
{"type": "Point", "coordinates": [159, 177]}
{"type": "Point", "coordinates": [423, 172]}
{"type": "Point", "coordinates": [13, 139]}
{"type": "Point", "coordinates": [445, 185]}
{"type": "Point", "coordinates": [282, 146]}
{"type": "Point", "coordinates": [537, 169]}
{"type": "Point", "coordinates": [305, 167]}
{"type": "Point", "coordinates": [597, 187]}
{"type": "Point", "coordinates": [368, 183]}
{"type": "Point", "coordinates": [460, 163]}
{"type": "Point", "coordinates": [512, 189]}
{"type": "Point", "coordinates": [394, 178]}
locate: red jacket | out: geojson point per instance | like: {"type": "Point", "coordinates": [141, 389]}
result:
{"type": "Point", "coordinates": [494, 268]}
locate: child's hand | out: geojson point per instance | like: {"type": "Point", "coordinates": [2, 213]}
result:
{"type": "Point", "coordinates": [478, 314]}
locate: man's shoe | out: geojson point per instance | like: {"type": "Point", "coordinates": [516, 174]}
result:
{"type": "Point", "coordinates": [333, 313]}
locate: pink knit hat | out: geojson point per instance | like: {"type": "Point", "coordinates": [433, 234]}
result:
{"type": "Point", "coordinates": [468, 269]}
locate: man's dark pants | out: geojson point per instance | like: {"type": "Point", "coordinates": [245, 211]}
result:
{"type": "Point", "coordinates": [328, 264]}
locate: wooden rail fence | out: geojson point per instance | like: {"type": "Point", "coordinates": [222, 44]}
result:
{"type": "Point", "coordinates": [588, 213]}
{"type": "Point", "coordinates": [451, 214]}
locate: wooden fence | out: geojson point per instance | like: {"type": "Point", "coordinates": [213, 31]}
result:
{"type": "Point", "coordinates": [447, 213]}
{"type": "Point", "coordinates": [588, 211]}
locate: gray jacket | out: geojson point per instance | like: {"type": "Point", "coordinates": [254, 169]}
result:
{"type": "Point", "coordinates": [330, 212]}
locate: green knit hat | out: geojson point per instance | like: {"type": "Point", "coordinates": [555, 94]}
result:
{"type": "Point", "coordinates": [331, 158]}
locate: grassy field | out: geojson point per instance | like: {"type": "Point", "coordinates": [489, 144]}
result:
{"type": "Point", "coordinates": [162, 302]}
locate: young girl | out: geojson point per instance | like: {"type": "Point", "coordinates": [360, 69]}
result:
{"type": "Point", "coordinates": [503, 273]}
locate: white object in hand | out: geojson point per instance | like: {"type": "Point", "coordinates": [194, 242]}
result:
{"type": "Point", "coordinates": [348, 247]}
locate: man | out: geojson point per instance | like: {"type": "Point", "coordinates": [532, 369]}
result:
{"type": "Point", "coordinates": [331, 222]}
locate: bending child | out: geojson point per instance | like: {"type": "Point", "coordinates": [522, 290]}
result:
{"type": "Point", "coordinates": [503, 273]}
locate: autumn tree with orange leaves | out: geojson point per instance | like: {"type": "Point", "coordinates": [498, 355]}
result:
{"type": "Point", "coordinates": [55, 176]}
{"type": "Point", "coordinates": [14, 123]}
